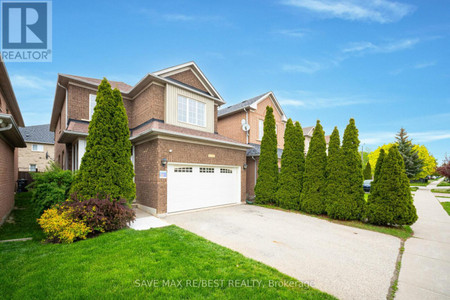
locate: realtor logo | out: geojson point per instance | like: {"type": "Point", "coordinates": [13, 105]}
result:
{"type": "Point", "coordinates": [26, 31]}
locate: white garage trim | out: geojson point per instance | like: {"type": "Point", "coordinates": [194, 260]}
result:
{"type": "Point", "coordinates": [195, 186]}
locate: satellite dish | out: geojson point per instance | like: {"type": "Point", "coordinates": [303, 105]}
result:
{"type": "Point", "coordinates": [245, 127]}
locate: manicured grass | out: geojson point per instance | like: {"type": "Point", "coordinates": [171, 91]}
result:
{"type": "Point", "coordinates": [402, 232]}
{"type": "Point", "coordinates": [446, 191]}
{"type": "Point", "coordinates": [443, 183]}
{"type": "Point", "coordinates": [446, 206]}
{"type": "Point", "coordinates": [122, 264]}
{"type": "Point", "coordinates": [22, 221]}
{"type": "Point", "coordinates": [419, 183]}
{"type": "Point", "coordinates": [414, 188]}
{"type": "Point", "coordinates": [366, 196]}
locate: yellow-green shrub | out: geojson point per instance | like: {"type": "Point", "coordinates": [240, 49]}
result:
{"type": "Point", "coordinates": [60, 226]}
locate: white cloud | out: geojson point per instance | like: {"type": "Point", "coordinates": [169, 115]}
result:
{"type": "Point", "coordinates": [306, 66]}
{"type": "Point", "coordinates": [365, 47]}
{"type": "Point", "coordinates": [296, 33]}
{"type": "Point", "coordinates": [31, 82]}
{"type": "Point", "coordinates": [424, 65]}
{"type": "Point", "coordinates": [324, 102]}
{"type": "Point", "coordinates": [381, 11]}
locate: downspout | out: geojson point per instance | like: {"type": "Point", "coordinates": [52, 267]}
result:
{"type": "Point", "coordinates": [65, 126]}
{"type": "Point", "coordinates": [246, 120]}
{"type": "Point", "coordinates": [66, 100]}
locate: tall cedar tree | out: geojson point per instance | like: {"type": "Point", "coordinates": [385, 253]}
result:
{"type": "Point", "coordinates": [267, 182]}
{"type": "Point", "coordinates": [106, 168]}
{"type": "Point", "coordinates": [312, 199]}
{"type": "Point", "coordinates": [301, 155]}
{"type": "Point", "coordinates": [368, 171]}
{"type": "Point", "coordinates": [335, 177]}
{"type": "Point", "coordinates": [291, 174]}
{"type": "Point", "coordinates": [378, 167]}
{"type": "Point", "coordinates": [391, 203]}
{"type": "Point", "coordinates": [352, 205]}
{"type": "Point", "coordinates": [413, 164]}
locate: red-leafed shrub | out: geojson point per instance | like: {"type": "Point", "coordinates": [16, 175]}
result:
{"type": "Point", "coordinates": [101, 214]}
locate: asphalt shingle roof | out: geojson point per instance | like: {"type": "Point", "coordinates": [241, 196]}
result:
{"type": "Point", "coordinates": [256, 150]}
{"type": "Point", "coordinates": [239, 106]}
{"type": "Point", "coordinates": [38, 134]}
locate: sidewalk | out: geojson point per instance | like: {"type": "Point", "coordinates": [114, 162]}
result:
{"type": "Point", "coordinates": [425, 270]}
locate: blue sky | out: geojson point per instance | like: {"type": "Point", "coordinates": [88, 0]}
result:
{"type": "Point", "coordinates": [384, 63]}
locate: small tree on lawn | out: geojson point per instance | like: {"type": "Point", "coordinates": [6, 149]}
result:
{"type": "Point", "coordinates": [288, 193]}
{"type": "Point", "coordinates": [312, 199]}
{"type": "Point", "coordinates": [368, 171]}
{"type": "Point", "coordinates": [444, 169]}
{"type": "Point", "coordinates": [266, 184]}
{"type": "Point", "coordinates": [391, 202]}
{"type": "Point", "coordinates": [413, 164]}
{"type": "Point", "coordinates": [353, 203]}
{"type": "Point", "coordinates": [106, 168]}
{"type": "Point", "coordinates": [335, 186]}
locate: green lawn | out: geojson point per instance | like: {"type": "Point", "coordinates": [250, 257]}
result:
{"type": "Point", "coordinates": [366, 196]}
{"type": "Point", "coordinates": [446, 206]}
{"type": "Point", "coordinates": [124, 263]}
{"type": "Point", "coordinates": [419, 183]}
{"type": "Point", "coordinates": [402, 232]}
{"type": "Point", "coordinates": [443, 183]}
{"type": "Point", "coordinates": [446, 191]}
{"type": "Point", "coordinates": [22, 222]}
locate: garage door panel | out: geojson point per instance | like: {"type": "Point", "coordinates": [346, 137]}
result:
{"type": "Point", "coordinates": [193, 187]}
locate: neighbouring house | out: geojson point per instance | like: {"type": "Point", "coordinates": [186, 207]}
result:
{"type": "Point", "coordinates": [40, 150]}
{"type": "Point", "coordinates": [10, 139]}
{"type": "Point", "coordinates": [180, 160]}
{"type": "Point", "coordinates": [252, 112]}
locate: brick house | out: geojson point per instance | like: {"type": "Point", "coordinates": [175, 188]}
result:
{"type": "Point", "coordinates": [252, 112]}
{"type": "Point", "coordinates": [180, 160]}
{"type": "Point", "coordinates": [40, 150]}
{"type": "Point", "coordinates": [10, 139]}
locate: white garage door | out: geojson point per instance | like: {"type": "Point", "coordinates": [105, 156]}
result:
{"type": "Point", "coordinates": [198, 186]}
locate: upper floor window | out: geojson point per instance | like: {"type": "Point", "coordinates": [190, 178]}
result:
{"type": "Point", "coordinates": [261, 129]}
{"type": "Point", "coordinates": [191, 111]}
{"type": "Point", "coordinates": [39, 148]}
{"type": "Point", "coordinates": [92, 103]}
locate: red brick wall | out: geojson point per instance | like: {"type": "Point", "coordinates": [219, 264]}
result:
{"type": "Point", "coordinates": [259, 114]}
{"type": "Point", "coordinates": [7, 179]}
{"type": "Point", "coordinates": [230, 126]}
{"type": "Point", "coordinates": [152, 191]}
{"type": "Point", "coordinates": [189, 78]}
{"type": "Point", "coordinates": [149, 104]}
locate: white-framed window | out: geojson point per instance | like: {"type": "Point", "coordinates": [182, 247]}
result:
{"type": "Point", "coordinates": [191, 111]}
{"type": "Point", "coordinates": [226, 171]}
{"type": "Point", "coordinates": [33, 168]}
{"type": "Point", "coordinates": [206, 170]}
{"type": "Point", "coordinates": [260, 129]}
{"type": "Point", "coordinates": [92, 103]}
{"type": "Point", "coordinates": [183, 170]}
{"type": "Point", "coordinates": [37, 148]}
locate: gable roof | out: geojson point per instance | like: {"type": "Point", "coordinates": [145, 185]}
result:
{"type": "Point", "coordinates": [192, 66]}
{"type": "Point", "coordinates": [122, 86]}
{"type": "Point", "coordinates": [308, 130]}
{"type": "Point", "coordinates": [38, 134]}
{"type": "Point", "coordinates": [129, 91]}
{"type": "Point", "coordinates": [252, 103]}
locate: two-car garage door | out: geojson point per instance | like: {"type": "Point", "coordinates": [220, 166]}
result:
{"type": "Point", "coordinates": [199, 186]}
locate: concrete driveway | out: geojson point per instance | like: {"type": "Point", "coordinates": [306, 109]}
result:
{"type": "Point", "coordinates": [346, 262]}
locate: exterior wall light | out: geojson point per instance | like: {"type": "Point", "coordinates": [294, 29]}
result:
{"type": "Point", "coordinates": [164, 162]}
{"type": "Point", "coordinates": [245, 166]}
